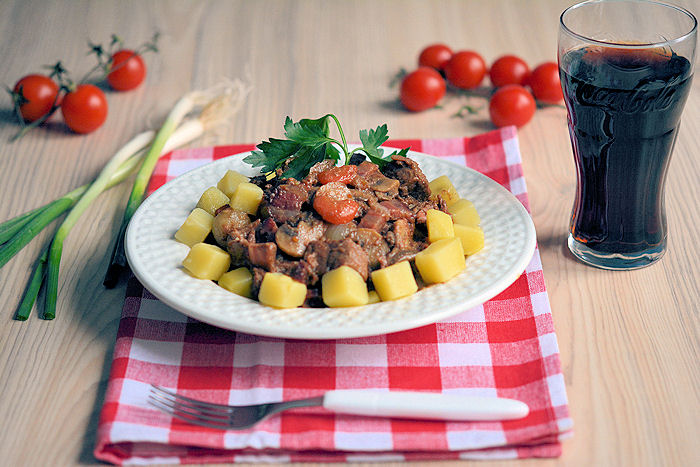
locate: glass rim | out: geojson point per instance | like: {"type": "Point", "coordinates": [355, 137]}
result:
{"type": "Point", "coordinates": [624, 45]}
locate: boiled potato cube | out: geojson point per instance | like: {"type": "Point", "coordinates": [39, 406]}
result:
{"type": "Point", "coordinates": [441, 261]}
{"type": "Point", "coordinates": [464, 213]}
{"type": "Point", "coordinates": [212, 199]}
{"type": "Point", "coordinates": [443, 186]}
{"type": "Point", "coordinates": [247, 198]}
{"type": "Point", "coordinates": [343, 286]}
{"type": "Point", "coordinates": [230, 181]}
{"type": "Point", "coordinates": [281, 291]}
{"type": "Point", "coordinates": [472, 238]}
{"type": "Point", "coordinates": [439, 225]}
{"type": "Point", "coordinates": [205, 261]}
{"type": "Point", "coordinates": [395, 281]}
{"type": "Point", "coordinates": [195, 228]}
{"type": "Point", "coordinates": [237, 281]}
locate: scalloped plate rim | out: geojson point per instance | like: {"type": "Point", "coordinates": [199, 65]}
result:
{"type": "Point", "coordinates": [193, 310]}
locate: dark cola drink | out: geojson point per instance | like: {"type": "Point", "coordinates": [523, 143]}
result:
{"type": "Point", "coordinates": [624, 109]}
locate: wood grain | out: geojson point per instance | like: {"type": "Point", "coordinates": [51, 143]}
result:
{"type": "Point", "coordinates": [629, 341]}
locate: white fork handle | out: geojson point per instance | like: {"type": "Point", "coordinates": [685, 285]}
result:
{"type": "Point", "coordinates": [423, 405]}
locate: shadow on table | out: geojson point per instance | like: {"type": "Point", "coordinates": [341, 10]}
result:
{"type": "Point", "coordinates": [86, 456]}
{"type": "Point", "coordinates": [98, 310]}
{"type": "Point", "coordinates": [557, 244]}
{"type": "Point", "coordinates": [55, 125]}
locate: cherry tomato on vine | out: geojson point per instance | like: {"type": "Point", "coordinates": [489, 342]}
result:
{"type": "Point", "coordinates": [511, 105]}
{"type": "Point", "coordinates": [422, 89]}
{"type": "Point", "coordinates": [466, 69]}
{"type": "Point", "coordinates": [509, 69]}
{"type": "Point", "coordinates": [37, 96]}
{"type": "Point", "coordinates": [84, 109]}
{"type": "Point", "coordinates": [128, 70]}
{"type": "Point", "coordinates": [435, 56]}
{"type": "Point", "coordinates": [545, 84]}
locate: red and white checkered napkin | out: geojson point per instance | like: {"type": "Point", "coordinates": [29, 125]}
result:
{"type": "Point", "coordinates": [506, 347]}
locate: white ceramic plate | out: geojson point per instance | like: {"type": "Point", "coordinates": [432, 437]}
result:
{"type": "Point", "coordinates": [155, 258]}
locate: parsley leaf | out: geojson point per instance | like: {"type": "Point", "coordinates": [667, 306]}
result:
{"type": "Point", "coordinates": [308, 132]}
{"type": "Point", "coordinates": [258, 159]}
{"type": "Point", "coordinates": [272, 154]}
{"type": "Point", "coordinates": [308, 142]}
{"type": "Point", "coordinates": [303, 160]}
{"type": "Point", "coordinates": [332, 153]}
{"type": "Point", "coordinates": [371, 140]}
{"type": "Point", "coordinates": [403, 152]}
{"type": "Point", "coordinates": [381, 162]}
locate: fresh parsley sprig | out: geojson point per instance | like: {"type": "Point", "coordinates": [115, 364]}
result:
{"type": "Point", "coordinates": [372, 139]}
{"type": "Point", "coordinates": [308, 142]}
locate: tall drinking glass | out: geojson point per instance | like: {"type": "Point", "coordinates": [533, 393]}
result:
{"type": "Point", "coordinates": [625, 68]}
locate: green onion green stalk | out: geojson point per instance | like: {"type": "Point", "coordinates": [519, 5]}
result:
{"type": "Point", "coordinates": [144, 150]}
{"type": "Point", "coordinates": [214, 104]}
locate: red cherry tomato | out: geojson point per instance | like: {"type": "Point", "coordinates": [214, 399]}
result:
{"type": "Point", "coordinates": [84, 109]}
{"type": "Point", "coordinates": [466, 69]}
{"type": "Point", "coordinates": [128, 70]}
{"type": "Point", "coordinates": [509, 69]}
{"type": "Point", "coordinates": [333, 201]}
{"type": "Point", "coordinates": [343, 174]}
{"type": "Point", "coordinates": [511, 105]}
{"type": "Point", "coordinates": [545, 85]}
{"type": "Point", "coordinates": [435, 56]}
{"type": "Point", "coordinates": [422, 89]}
{"type": "Point", "coordinates": [39, 96]}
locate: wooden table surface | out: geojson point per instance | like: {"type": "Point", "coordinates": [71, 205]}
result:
{"type": "Point", "coordinates": [629, 340]}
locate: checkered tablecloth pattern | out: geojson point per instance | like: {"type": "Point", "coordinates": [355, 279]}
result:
{"type": "Point", "coordinates": [506, 347]}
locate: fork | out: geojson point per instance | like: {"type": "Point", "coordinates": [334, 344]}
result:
{"type": "Point", "coordinates": [413, 405]}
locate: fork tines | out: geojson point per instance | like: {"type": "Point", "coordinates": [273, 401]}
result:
{"type": "Point", "coordinates": [190, 410]}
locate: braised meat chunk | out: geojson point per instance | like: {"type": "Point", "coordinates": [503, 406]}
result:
{"type": "Point", "coordinates": [411, 177]}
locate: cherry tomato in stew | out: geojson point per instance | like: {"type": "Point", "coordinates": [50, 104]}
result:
{"type": "Point", "coordinates": [545, 85]}
{"type": "Point", "coordinates": [84, 109]}
{"type": "Point", "coordinates": [509, 69]}
{"type": "Point", "coordinates": [342, 174]}
{"type": "Point", "coordinates": [128, 70]}
{"type": "Point", "coordinates": [422, 89]}
{"type": "Point", "coordinates": [466, 69]}
{"type": "Point", "coordinates": [435, 56]}
{"type": "Point", "coordinates": [511, 105]}
{"type": "Point", "coordinates": [333, 201]}
{"type": "Point", "coordinates": [38, 96]}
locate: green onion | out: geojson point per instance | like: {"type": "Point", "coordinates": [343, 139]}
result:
{"type": "Point", "coordinates": [98, 186]}
{"type": "Point", "coordinates": [15, 233]}
{"type": "Point", "coordinates": [19, 231]}
{"type": "Point", "coordinates": [30, 230]}
{"type": "Point", "coordinates": [214, 103]}
{"type": "Point", "coordinates": [116, 170]}
{"type": "Point", "coordinates": [25, 307]}
{"type": "Point", "coordinates": [9, 228]}
{"type": "Point", "coordinates": [187, 132]}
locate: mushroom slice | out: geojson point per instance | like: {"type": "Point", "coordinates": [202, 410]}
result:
{"type": "Point", "coordinates": [226, 221]}
{"type": "Point", "coordinates": [293, 240]}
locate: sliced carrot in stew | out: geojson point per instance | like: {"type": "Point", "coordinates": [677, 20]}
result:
{"type": "Point", "coordinates": [333, 201]}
